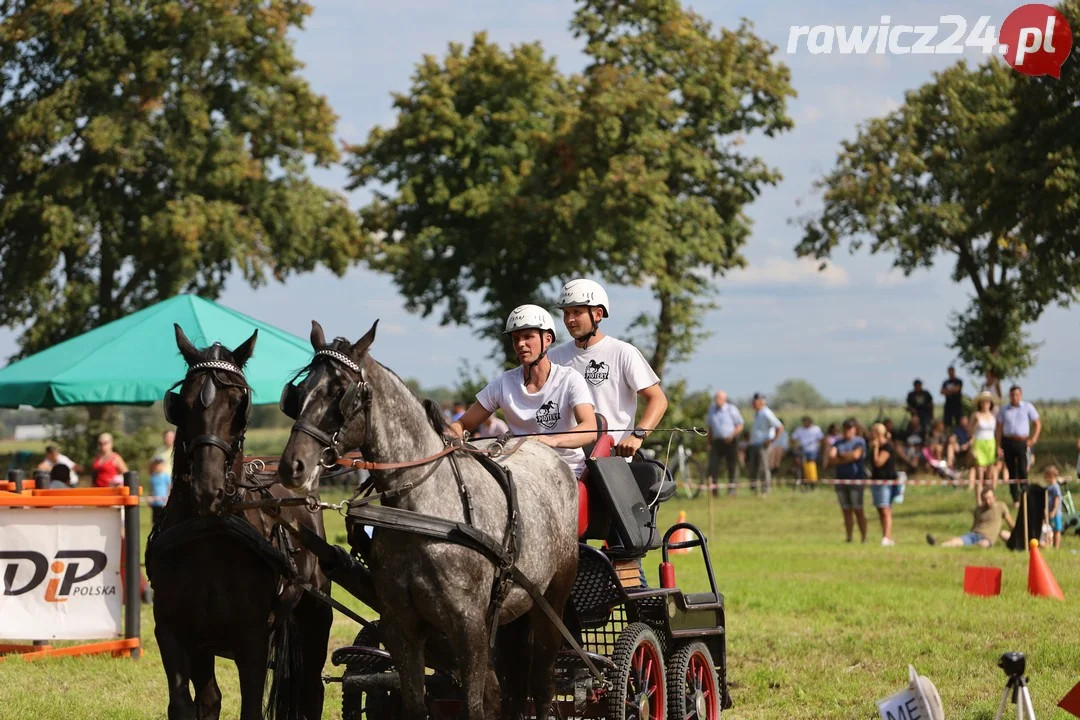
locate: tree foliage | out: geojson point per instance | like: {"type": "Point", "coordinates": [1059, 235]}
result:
{"type": "Point", "coordinates": [501, 175]}
{"type": "Point", "coordinates": [478, 198]}
{"type": "Point", "coordinates": [954, 174]}
{"type": "Point", "coordinates": [152, 148]}
{"type": "Point", "coordinates": [797, 393]}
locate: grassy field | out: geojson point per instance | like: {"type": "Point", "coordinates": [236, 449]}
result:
{"type": "Point", "coordinates": [817, 628]}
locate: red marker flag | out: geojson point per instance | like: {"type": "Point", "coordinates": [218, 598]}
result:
{"type": "Point", "coordinates": [1071, 702]}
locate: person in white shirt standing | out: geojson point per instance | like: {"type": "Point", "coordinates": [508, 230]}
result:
{"type": "Point", "coordinates": [765, 428]}
{"type": "Point", "coordinates": [808, 437]}
{"type": "Point", "coordinates": [616, 372]}
{"type": "Point", "coordinates": [538, 398]}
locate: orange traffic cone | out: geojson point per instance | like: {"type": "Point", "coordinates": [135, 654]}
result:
{"type": "Point", "coordinates": [681, 535]}
{"type": "Point", "coordinates": [1041, 582]}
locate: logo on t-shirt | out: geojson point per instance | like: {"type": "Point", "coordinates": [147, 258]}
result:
{"type": "Point", "coordinates": [596, 372]}
{"type": "Point", "coordinates": [547, 415]}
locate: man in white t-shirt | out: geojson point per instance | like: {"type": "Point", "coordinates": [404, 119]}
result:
{"type": "Point", "coordinates": [807, 437]}
{"type": "Point", "coordinates": [53, 457]}
{"type": "Point", "coordinates": [538, 397]}
{"type": "Point", "coordinates": [615, 371]}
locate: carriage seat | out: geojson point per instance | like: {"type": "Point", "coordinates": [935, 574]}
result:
{"type": "Point", "coordinates": [619, 513]}
{"type": "Point", "coordinates": [601, 448]}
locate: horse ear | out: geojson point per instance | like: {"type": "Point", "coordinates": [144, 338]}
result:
{"type": "Point", "coordinates": [184, 345]}
{"type": "Point", "coordinates": [318, 337]}
{"type": "Point", "coordinates": [243, 353]}
{"type": "Point", "coordinates": [364, 344]}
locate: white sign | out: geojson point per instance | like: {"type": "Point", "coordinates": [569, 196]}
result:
{"type": "Point", "coordinates": [60, 573]}
{"type": "Point", "coordinates": [902, 706]}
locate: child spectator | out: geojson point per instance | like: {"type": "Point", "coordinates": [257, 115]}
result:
{"type": "Point", "coordinates": [1053, 503]}
{"type": "Point", "coordinates": [160, 485]}
{"type": "Point", "coordinates": [807, 439]}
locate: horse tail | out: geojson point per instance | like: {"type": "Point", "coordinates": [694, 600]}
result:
{"type": "Point", "coordinates": [285, 663]}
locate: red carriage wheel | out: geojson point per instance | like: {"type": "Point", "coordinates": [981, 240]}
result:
{"type": "Point", "coordinates": [692, 684]}
{"type": "Point", "coordinates": [638, 690]}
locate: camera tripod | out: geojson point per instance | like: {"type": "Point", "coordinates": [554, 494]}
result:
{"type": "Point", "coordinates": [1017, 687]}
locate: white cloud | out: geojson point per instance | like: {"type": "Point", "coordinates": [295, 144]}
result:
{"type": "Point", "coordinates": [781, 271]}
{"type": "Point", "coordinates": [809, 114]}
{"type": "Point", "coordinates": [855, 105]}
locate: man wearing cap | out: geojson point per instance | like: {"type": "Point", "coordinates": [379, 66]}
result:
{"type": "Point", "coordinates": [921, 403]}
{"type": "Point", "coordinates": [1015, 436]}
{"type": "Point", "coordinates": [765, 429]}
{"type": "Point", "coordinates": [848, 455]}
{"type": "Point", "coordinates": [615, 371]}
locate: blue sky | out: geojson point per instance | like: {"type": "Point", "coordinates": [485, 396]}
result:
{"type": "Point", "coordinates": [856, 331]}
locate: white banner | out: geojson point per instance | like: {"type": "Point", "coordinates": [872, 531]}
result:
{"type": "Point", "coordinates": [60, 573]}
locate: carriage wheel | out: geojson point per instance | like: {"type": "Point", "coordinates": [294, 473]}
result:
{"type": "Point", "coordinates": [637, 690]}
{"type": "Point", "coordinates": [692, 685]}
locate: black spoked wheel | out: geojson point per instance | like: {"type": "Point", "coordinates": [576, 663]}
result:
{"type": "Point", "coordinates": [638, 688]}
{"type": "Point", "coordinates": [692, 687]}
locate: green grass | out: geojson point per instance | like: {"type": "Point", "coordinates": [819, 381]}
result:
{"type": "Point", "coordinates": [817, 628]}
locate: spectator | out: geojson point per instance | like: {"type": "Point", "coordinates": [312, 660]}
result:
{"type": "Point", "coordinates": [921, 403]}
{"type": "Point", "coordinates": [160, 485]}
{"type": "Point", "coordinates": [959, 445]}
{"type": "Point", "coordinates": [938, 440]}
{"type": "Point", "coordinates": [60, 477]}
{"type": "Point", "coordinates": [848, 454]}
{"type": "Point", "coordinates": [762, 433]}
{"type": "Point", "coordinates": [952, 389]}
{"type": "Point", "coordinates": [1015, 436]}
{"type": "Point", "coordinates": [725, 422]}
{"type": "Point", "coordinates": [807, 439]}
{"type": "Point", "coordinates": [108, 466]}
{"type": "Point", "coordinates": [986, 525]}
{"type": "Point", "coordinates": [54, 457]}
{"type": "Point", "coordinates": [1053, 504]}
{"type": "Point", "coordinates": [883, 467]}
{"type": "Point", "coordinates": [779, 447]}
{"type": "Point", "coordinates": [992, 385]}
{"type": "Point", "coordinates": [494, 426]}
{"type": "Point", "coordinates": [984, 444]}
{"type": "Point", "coordinates": [911, 440]}
{"type": "Point", "coordinates": [165, 452]}
{"type": "Point", "coordinates": [457, 411]}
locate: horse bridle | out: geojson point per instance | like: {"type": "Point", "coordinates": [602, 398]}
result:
{"type": "Point", "coordinates": [174, 409]}
{"type": "Point", "coordinates": [355, 401]}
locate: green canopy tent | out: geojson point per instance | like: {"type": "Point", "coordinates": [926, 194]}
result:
{"type": "Point", "coordinates": [134, 360]}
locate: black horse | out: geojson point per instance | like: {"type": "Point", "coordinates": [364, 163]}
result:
{"type": "Point", "coordinates": [226, 583]}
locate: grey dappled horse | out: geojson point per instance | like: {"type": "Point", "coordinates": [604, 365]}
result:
{"type": "Point", "coordinates": [428, 587]}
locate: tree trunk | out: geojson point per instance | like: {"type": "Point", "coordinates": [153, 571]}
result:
{"type": "Point", "coordinates": [664, 332]}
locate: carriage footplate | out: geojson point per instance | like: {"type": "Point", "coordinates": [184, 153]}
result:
{"type": "Point", "coordinates": [362, 660]}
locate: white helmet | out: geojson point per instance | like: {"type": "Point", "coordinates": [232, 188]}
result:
{"type": "Point", "coordinates": [530, 316]}
{"type": "Point", "coordinates": [583, 292]}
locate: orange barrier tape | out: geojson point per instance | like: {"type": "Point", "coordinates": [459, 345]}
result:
{"type": "Point", "coordinates": [87, 497]}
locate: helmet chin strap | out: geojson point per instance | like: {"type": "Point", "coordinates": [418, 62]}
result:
{"type": "Point", "coordinates": [534, 363]}
{"type": "Point", "coordinates": [591, 334]}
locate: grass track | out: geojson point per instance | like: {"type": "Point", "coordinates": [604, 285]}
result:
{"type": "Point", "coordinates": [817, 628]}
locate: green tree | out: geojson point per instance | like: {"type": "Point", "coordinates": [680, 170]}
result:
{"type": "Point", "coordinates": [797, 393]}
{"type": "Point", "coordinates": [479, 199]}
{"type": "Point", "coordinates": [666, 105]}
{"type": "Point", "coordinates": [941, 177]}
{"type": "Point", "coordinates": [151, 148]}
{"type": "Point", "coordinates": [503, 175]}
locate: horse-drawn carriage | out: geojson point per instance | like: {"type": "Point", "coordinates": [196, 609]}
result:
{"type": "Point", "coordinates": [474, 566]}
{"type": "Point", "coordinates": [659, 652]}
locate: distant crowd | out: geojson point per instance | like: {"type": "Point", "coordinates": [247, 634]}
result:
{"type": "Point", "coordinates": [995, 442]}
